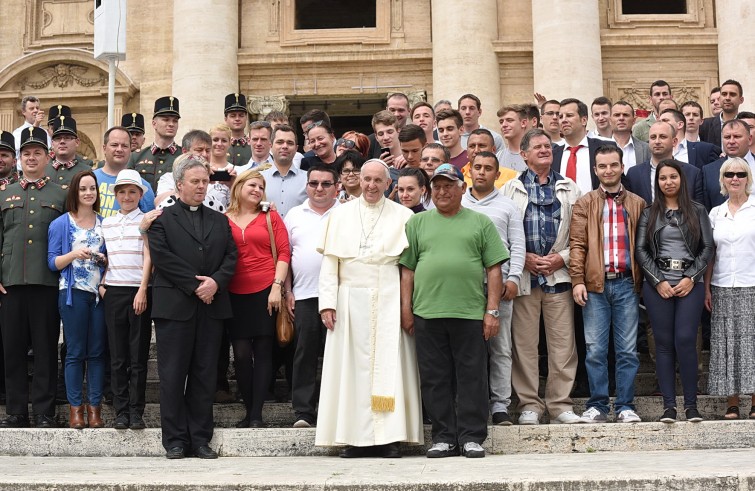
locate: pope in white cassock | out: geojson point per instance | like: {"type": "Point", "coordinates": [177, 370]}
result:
{"type": "Point", "coordinates": [370, 396]}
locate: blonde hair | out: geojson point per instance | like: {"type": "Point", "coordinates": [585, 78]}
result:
{"type": "Point", "coordinates": [733, 162]}
{"type": "Point", "coordinates": [221, 128]}
{"type": "Point", "coordinates": [235, 207]}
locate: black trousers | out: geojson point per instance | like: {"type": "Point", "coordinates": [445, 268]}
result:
{"type": "Point", "coordinates": [448, 348]}
{"type": "Point", "coordinates": [128, 338]}
{"type": "Point", "coordinates": [224, 360]}
{"type": "Point", "coordinates": [30, 312]}
{"type": "Point", "coordinates": [187, 363]}
{"type": "Point", "coordinates": [309, 339]}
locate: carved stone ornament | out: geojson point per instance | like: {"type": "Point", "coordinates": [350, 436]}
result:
{"type": "Point", "coordinates": [62, 75]}
{"type": "Point", "coordinates": [263, 105]}
{"type": "Point", "coordinates": [638, 96]}
{"type": "Point", "coordinates": [416, 96]}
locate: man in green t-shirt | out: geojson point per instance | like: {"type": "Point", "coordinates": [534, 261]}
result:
{"type": "Point", "coordinates": [452, 252]}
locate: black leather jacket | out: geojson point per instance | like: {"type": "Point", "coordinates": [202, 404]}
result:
{"type": "Point", "coordinates": [646, 253]}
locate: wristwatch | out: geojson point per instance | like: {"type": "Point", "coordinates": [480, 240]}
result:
{"type": "Point", "coordinates": [494, 313]}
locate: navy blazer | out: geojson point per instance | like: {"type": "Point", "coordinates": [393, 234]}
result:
{"type": "Point", "coordinates": [710, 130]}
{"type": "Point", "coordinates": [702, 153]}
{"type": "Point", "coordinates": [592, 146]}
{"type": "Point", "coordinates": [638, 181]}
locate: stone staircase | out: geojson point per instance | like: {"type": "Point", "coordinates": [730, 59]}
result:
{"type": "Point", "coordinates": [544, 457]}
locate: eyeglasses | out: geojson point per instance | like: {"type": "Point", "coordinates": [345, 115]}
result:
{"type": "Point", "coordinates": [730, 175]}
{"type": "Point", "coordinates": [346, 172]}
{"type": "Point", "coordinates": [349, 144]}
{"type": "Point", "coordinates": [313, 125]}
{"type": "Point", "coordinates": [324, 184]}
{"type": "Point", "coordinates": [430, 159]}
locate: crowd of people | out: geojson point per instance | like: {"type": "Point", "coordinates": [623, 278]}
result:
{"type": "Point", "coordinates": [421, 262]}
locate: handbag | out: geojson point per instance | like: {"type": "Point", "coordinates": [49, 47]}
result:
{"type": "Point", "coordinates": [284, 327]}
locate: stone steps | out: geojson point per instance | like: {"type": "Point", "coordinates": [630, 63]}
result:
{"type": "Point", "coordinates": [282, 415]}
{"type": "Point", "coordinates": [277, 442]}
{"type": "Point", "coordinates": [689, 470]}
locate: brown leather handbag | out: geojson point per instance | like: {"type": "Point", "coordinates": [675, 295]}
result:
{"type": "Point", "coordinates": [284, 325]}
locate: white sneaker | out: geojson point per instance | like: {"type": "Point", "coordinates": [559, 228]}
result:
{"type": "Point", "coordinates": [302, 423]}
{"type": "Point", "coordinates": [628, 416]}
{"type": "Point", "coordinates": [529, 418]}
{"type": "Point", "coordinates": [593, 415]}
{"type": "Point", "coordinates": [473, 450]}
{"type": "Point", "coordinates": [566, 418]}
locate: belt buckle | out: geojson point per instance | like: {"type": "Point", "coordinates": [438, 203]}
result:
{"type": "Point", "coordinates": [612, 276]}
{"type": "Point", "coordinates": [676, 264]}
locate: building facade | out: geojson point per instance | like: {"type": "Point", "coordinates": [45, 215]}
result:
{"type": "Point", "coordinates": [346, 56]}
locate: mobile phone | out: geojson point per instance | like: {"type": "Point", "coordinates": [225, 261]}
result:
{"type": "Point", "coordinates": [385, 150]}
{"type": "Point", "coordinates": [221, 175]}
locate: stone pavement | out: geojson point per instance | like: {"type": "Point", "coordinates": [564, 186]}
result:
{"type": "Point", "coordinates": [689, 470]}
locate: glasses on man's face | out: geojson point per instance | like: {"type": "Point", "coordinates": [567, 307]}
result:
{"type": "Point", "coordinates": [347, 144]}
{"type": "Point", "coordinates": [346, 172]}
{"type": "Point", "coordinates": [732, 175]}
{"type": "Point", "coordinates": [313, 125]}
{"type": "Point", "coordinates": [323, 184]}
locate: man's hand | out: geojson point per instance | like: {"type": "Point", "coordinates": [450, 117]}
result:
{"type": "Point", "coordinates": [328, 317]}
{"type": "Point", "coordinates": [530, 263]}
{"type": "Point", "coordinates": [407, 321]}
{"type": "Point", "coordinates": [399, 162]}
{"type": "Point", "coordinates": [490, 326]}
{"type": "Point", "coordinates": [547, 265]}
{"type": "Point", "coordinates": [579, 292]}
{"type": "Point", "coordinates": [148, 218]}
{"type": "Point", "coordinates": [39, 117]}
{"type": "Point", "coordinates": [510, 291]}
{"type": "Point", "coordinates": [206, 289]}
{"type": "Point", "coordinates": [140, 301]}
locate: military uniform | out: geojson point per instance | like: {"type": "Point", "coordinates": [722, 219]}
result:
{"type": "Point", "coordinates": [61, 173]}
{"type": "Point", "coordinates": [29, 308]}
{"type": "Point", "coordinates": [7, 142]}
{"type": "Point", "coordinates": [240, 151]}
{"type": "Point", "coordinates": [134, 123]}
{"type": "Point", "coordinates": [154, 162]}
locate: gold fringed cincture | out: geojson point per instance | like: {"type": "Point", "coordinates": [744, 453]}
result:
{"type": "Point", "coordinates": [383, 404]}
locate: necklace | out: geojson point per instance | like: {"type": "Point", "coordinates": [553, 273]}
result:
{"type": "Point", "coordinates": [365, 237]}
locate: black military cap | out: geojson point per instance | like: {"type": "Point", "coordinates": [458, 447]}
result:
{"type": "Point", "coordinates": [134, 122]}
{"type": "Point", "coordinates": [56, 112]}
{"type": "Point", "coordinates": [34, 135]}
{"type": "Point", "coordinates": [64, 126]}
{"type": "Point", "coordinates": [235, 102]}
{"type": "Point", "coordinates": [167, 106]}
{"type": "Point", "coordinates": [7, 142]}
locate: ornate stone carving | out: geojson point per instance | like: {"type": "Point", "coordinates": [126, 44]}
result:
{"type": "Point", "coordinates": [397, 15]}
{"type": "Point", "coordinates": [264, 104]}
{"type": "Point", "coordinates": [62, 75]}
{"type": "Point", "coordinates": [57, 23]}
{"type": "Point", "coordinates": [638, 96]}
{"type": "Point", "coordinates": [416, 96]}
{"type": "Point", "coordinates": [275, 17]}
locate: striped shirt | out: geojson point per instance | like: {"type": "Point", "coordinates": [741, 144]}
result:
{"type": "Point", "coordinates": [125, 249]}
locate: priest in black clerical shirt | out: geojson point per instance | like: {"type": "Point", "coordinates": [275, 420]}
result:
{"type": "Point", "coordinates": [194, 257]}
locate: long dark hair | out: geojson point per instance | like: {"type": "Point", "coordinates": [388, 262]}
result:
{"type": "Point", "coordinates": [687, 209]}
{"type": "Point", "coordinates": [422, 180]}
{"type": "Point", "coordinates": [72, 198]}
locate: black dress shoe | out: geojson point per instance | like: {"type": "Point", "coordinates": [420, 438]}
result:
{"type": "Point", "coordinates": [390, 451]}
{"type": "Point", "coordinates": [15, 421]}
{"type": "Point", "coordinates": [44, 421]}
{"type": "Point", "coordinates": [256, 423]}
{"type": "Point", "coordinates": [175, 453]}
{"type": "Point", "coordinates": [244, 423]}
{"type": "Point", "coordinates": [205, 452]}
{"type": "Point", "coordinates": [357, 452]}
{"type": "Point", "coordinates": [137, 422]}
{"type": "Point", "coordinates": [121, 421]}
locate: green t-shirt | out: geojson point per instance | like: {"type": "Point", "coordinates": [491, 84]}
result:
{"type": "Point", "coordinates": [449, 256]}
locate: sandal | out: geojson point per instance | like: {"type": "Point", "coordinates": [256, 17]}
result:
{"type": "Point", "coordinates": [752, 412]}
{"type": "Point", "coordinates": [732, 412]}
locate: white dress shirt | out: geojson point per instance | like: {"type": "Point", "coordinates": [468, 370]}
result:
{"type": "Point", "coordinates": [734, 236]}
{"type": "Point", "coordinates": [584, 179]}
{"type": "Point", "coordinates": [680, 153]}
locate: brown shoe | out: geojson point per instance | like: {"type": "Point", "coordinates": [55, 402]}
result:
{"type": "Point", "coordinates": [76, 418]}
{"type": "Point", "coordinates": [94, 415]}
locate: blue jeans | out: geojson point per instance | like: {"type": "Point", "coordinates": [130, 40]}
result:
{"type": "Point", "coordinates": [86, 337]}
{"type": "Point", "coordinates": [618, 305]}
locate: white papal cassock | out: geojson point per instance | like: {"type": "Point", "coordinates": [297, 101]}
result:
{"type": "Point", "coordinates": [370, 381]}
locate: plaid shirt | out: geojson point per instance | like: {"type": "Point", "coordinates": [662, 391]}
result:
{"type": "Point", "coordinates": [616, 255]}
{"type": "Point", "coordinates": [541, 221]}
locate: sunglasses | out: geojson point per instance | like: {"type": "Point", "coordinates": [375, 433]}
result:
{"type": "Point", "coordinates": [313, 125]}
{"type": "Point", "coordinates": [730, 175]}
{"type": "Point", "coordinates": [348, 144]}
{"type": "Point", "coordinates": [324, 184]}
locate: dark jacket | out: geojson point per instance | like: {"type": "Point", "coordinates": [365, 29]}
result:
{"type": "Point", "coordinates": [647, 252]}
{"type": "Point", "coordinates": [179, 255]}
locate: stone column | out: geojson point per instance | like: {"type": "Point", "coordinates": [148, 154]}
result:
{"type": "Point", "coordinates": [463, 56]}
{"type": "Point", "coordinates": [736, 48]}
{"type": "Point", "coordinates": [205, 65]}
{"type": "Point", "coordinates": [566, 52]}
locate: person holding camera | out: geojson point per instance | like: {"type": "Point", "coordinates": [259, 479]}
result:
{"type": "Point", "coordinates": [257, 289]}
{"type": "Point", "coordinates": [76, 248]}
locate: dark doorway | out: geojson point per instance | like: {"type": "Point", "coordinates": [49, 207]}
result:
{"type": "Point", "coordinates": [634, 7]}
{"type": "Point", "coordinates": [335, 14]}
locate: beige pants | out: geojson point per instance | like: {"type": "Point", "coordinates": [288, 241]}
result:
{"type": "Point", "coordinates": [558, 313]}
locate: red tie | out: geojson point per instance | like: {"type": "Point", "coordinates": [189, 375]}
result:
{"type": "Point", "coordinates": [571, 164]}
